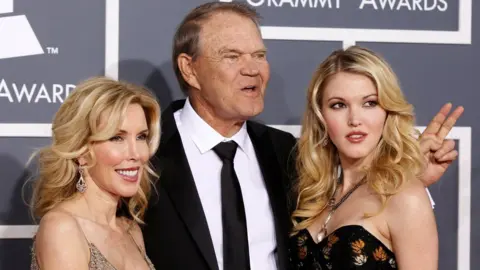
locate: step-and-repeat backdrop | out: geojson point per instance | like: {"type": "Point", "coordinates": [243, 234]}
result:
{"type": "Point", "coordinates": [46, 47]}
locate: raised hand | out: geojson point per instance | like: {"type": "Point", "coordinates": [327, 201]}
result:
{"type": "Point", "coordinates": [438, 151]}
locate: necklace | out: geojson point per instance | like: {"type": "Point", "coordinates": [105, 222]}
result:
{"type": "Point", "coordinates": [333, 207]}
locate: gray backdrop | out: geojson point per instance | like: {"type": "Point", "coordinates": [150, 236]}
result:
{"type": "Point", "coordinates": [429, 43]}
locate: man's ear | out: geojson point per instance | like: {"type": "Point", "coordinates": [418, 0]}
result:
{"type": "Point", "coordinates": [186, 67]}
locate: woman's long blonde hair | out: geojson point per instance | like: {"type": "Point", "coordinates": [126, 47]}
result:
{"type": "Point", "coordinates": [396, 158]}
{"type": "Point", "coordinates": [76, 127]}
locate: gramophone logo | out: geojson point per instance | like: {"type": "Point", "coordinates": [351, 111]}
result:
{"type": "Point", "coordinates": [16, 35]}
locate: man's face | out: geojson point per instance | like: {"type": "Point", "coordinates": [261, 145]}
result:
{"type": "Point", "coordinates": [231, 69]}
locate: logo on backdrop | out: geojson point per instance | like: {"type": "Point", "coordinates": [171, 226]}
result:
{"type": "Point", "coordinates": [34, 93]}
{"type": "Point", "coordinates": [18, 39]}
{"type": "Point", "coordinates": [16, 33]}
{"type": "Point", "coordinates": [416, 5]}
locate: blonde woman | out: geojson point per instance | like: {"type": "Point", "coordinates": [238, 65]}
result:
{"type": "Point", "coordinates": [102, 138]}
{"type": "Point", "coordinates": [360, 203]}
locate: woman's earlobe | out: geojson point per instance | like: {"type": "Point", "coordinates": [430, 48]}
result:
{"type": "Point", "coordinates": [81, 161]}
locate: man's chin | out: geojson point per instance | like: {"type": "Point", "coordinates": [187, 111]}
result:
{"type": "Point", "coordinates": [253, 112]}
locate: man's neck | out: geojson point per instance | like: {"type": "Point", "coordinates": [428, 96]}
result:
{"type": "Point", "coordinates": [226, 127]}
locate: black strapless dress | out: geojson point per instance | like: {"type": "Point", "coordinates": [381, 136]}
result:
{"type": "Point", "coordinates": [348, 247]}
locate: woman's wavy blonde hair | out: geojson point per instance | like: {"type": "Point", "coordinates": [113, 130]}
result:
{"type": "Point", "coordinates": [76, 128]}
{"type": "Point", "coordinates": [396, 159]}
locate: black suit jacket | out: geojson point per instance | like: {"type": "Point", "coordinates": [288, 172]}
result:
{"type": "Point", "coordinates": [176, 233]}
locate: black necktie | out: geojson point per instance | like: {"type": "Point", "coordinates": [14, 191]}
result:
{"type": "Point", "coordinates": [235, 238]}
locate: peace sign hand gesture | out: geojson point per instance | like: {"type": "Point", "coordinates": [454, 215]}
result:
{"type": "Point", "coordinates": [439, 153]}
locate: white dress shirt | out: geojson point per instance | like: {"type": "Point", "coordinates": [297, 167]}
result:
{"type": "Point", "coordinates": [198, 140]}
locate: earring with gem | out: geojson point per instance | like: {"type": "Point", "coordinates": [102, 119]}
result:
{"type": "Point", "coordinates": [81, 184]}
{"type": "Point", "coordinates": [325, 142]}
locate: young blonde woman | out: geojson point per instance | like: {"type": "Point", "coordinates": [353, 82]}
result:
{"type": "Point", "coordinates": [360, 203]}
{"type": "Point", "coordinates": [102, 138]}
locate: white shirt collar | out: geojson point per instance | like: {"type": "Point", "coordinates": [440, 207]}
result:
{"type": "Point", "coordinates": [204, 136]}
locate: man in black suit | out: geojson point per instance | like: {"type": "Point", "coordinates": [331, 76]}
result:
{"type": "Point", "coordinates": [209, 213]}
{"type": "Point", "coordinates": [221, 199]}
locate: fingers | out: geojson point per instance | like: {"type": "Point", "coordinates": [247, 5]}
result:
{"type": "Point", "coordinates": [434, 126]}
{"type": "Point", "coordinates": [440, 124]}
{"type": "Point", "coordinates": [448, 157]}
{"type": "Point", "coordinates": [442, 151]}
{"type": "Point", "coordinates": [447, 146]}
{"type": "Point", "coordinates": [445, 164]}
{"type": "Point", "coordinates": [430, 143]}
{"type": "Point", "coordinates": [450, 122]}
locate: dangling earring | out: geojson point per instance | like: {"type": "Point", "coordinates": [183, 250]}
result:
{"type": "Point", "coordinates": [81, 184]}
{"type": "Point", "coordinates": [325, 142]}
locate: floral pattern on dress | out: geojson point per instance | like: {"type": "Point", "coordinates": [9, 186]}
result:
{"type": "Point", "coordinates": [379, 254]}
{"type": "Point", "coordinates": [349, 247]}
{"type": "Point", "coordinates": [332, 239]}
{"type": "Point", "coordinates": [359, 258]}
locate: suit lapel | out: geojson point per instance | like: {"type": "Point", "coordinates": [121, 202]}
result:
{"type": "Point", "coordinates": [176, 177]}
{"type": "Point", "coordinates": [271, 172]}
